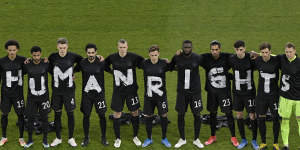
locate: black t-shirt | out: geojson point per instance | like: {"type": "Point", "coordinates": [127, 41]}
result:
{"type": "Point", "coordinates": [37, 78]}
{"type": "Point", "coordinates": [188, 80]}
{"type": "Point", "coordinates": [124, 71]}
{"type": "Point", "coordinates": [217, 76]}
{"type": "Point", "coordinates": [92, 76]}
{"type": "Point", "coordinates": [290, 78]}
{"type": "Point", "coordinates": [12, 75]}
{"type": "Point", "coordinates": [61, 69]}
{"type": "Point", "coordinates": [155, 78]}
{"type": "Point", "coordinates": [268, 76]}
{"type": "Point", "coordinates": [243, 83]}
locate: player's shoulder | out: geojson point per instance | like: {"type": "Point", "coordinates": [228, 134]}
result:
{"type": "Point", "coordinates": [20, 58]}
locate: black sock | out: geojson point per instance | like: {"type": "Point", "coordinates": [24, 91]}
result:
{"type": "Point", "coordinates": [21, 125]}
{"type": "Point", "coordinates": [276, 127]}
{"type": "Point", "coordinates": [71, 124]}
{"type": "Point", "coordinates": [44, 119]}
{"type": "Point", "coordinates": [4, 122]}
{"type": "Point", "coordinates": [180, 123]}
{"type": "Point", "coordinates": [135, 124]}
{"type": "Point", "coordinates": [116, 125]}
{"type": "Point", "coordinates": [103, 125]}
{"type": "Point", "coordinates": [57, 122]}
{"type": "Point", "coordinates": [30, 129]}
{"type": "Point", "coordinates": [86, 126]}
{"type": "Point", "coordinates": [164, 126]}
{"type": "Point", "coordinates": [197, 126]}
{"type": "Point", "coordinates": [149, 126]}
{"type": "Point", "coordinates": [241, 127]}
{"type": "Point", "coordinates": [262, 128]}
{"type": "Point", "coordinates": [231, 125]}
{"type": "Point", "coordinates": [213, 123]}
{"type": "Point", "coordinates": [254, 128]}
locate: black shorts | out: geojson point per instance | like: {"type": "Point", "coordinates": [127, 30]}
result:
{"type": "Point", "coordinates": [151, 103]}
{"type": "Point", "coordinates": [214, 100]}
{"type": "Point", "coordinates": [57, 102]}
{"type": "Point", "coordinates": [7, 101]}
{"type": "Point", "coordinates": [244, 101]}
{"type": "Point", "coordinates": [37, 104]}
{"type": "Point", "coordinates": [183, 100]}
{"type": "Point", "coordinates": [267, 102]}
{"type": "Point", "coordinates": [132, 101]}
{"type": "Point", "coordinates": [90, 99]}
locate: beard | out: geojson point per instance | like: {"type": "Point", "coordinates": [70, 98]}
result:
{"type": "Point", "coordinates": [91, 58]}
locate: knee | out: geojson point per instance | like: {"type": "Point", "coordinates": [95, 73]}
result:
{"type": "Point", "coordinates": [164, 115]}
{"type": "Point", "coordinates": [180, 116]}
{"type": "Point", "coordinates": [117, 115]}
{"type": "Point", "coordinates": [252, 116]}
{"type": "Point", "coordinates": [298, 118]}
{"type": "Point", "coordinates": [101, 115]}
{"type": "Point", "coordinates": [70, 114]}
{"type": "Point", "coordinates": [196, 115]}
{"type": "Point", "coordinates": [239, 115]}
{"type": "Point", "coordinates": [135, 113]}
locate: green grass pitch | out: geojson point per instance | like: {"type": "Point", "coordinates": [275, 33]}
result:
{"type": "Point", "coordinates": [145, 22]}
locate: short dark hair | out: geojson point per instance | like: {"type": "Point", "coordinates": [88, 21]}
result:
{"type": "Point", "coordinates": [187, 42]}
{"type": "Point", "coordinates": [265, 45]}
{"type": "Point", "coordinates": [35, 49]}
{"type": "Point", "coordinates": [62, 41]}
{"type": "Point", "coordinates": [12, 43]}
{"type": "Point", "coordinates": [239, 43]}
{"type": "Point", "coordinates": [154, 48]}
{"type": "Point", "coordinates": [123, 41]}
{"type": "Point", "coordinates": [215, 42]}
{"type": "Point", "coordinates": [290, 45]}
{"type": "Point", "coordinates": [90, 45]}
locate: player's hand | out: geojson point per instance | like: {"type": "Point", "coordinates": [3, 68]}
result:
{"type": "Point", "coordinates": [166, 59]}
{"type": "Point", "coordinates": [73, 77]}
{"type": "Point", "coordinates": [46, 60]}
{"type": "Point", "coordinates": [27, 61]}
{"type": "Point", "coordinates": [178, 52]}
{"type": "Point", "coordinates": [253, 54]}
{"type": "Point", "coordinates": [101, 58]}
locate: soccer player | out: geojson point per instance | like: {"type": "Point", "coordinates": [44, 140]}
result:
{"type": "Point", "coordinates": [38, 94]}
{"type": "Point", "coordinates": [243, 90]}
{"type": "Point", "coordinates": [93, 92]}
{"type": "Point", "coordinates": [155, 93]}
{"type": "Point", "coordinates": [267, 93]}
{"type": "Point", "coordinates": [218, 89]}
{"type": "Point", "coordinates": [11, 67]}
{"type": "Point", "coordinates": [63, 88]}
{"type": "Point", "coordinates": [125, 88]}
{"type": "Point", "coordinates": [289, 100]}
{"type": "Point", "coordinates": [188, 90]}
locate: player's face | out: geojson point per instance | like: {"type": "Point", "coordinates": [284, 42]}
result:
{"type": "Point", "coordinates": [187, 48]}
{"type": "Point", "coordinates": [62, 49]}
{"type": "Point", "coordinates": [265, 53]}
{"type": "Point", "coordinates": [215, 51]}
{"type": "Point", "coordinates": [154, 56]}
{"type": "Point", "coordinates": [240, 52]}
{"type": "Point", "coordinates": [122, 47]}
{"type": "Point", "coordinates": [290, 52]}
{"type": "Point", "coordinates": [91, 53]}
{"type": "Point", "coordinates": [12, 50]}
{"type": "Point", "coordinates": [36, 56]}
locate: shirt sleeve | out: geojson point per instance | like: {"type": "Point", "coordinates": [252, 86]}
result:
{"type": "Point", "coordinates": [107, 63]}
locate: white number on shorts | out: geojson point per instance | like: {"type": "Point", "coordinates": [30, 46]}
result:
{"type": "Point", "coordinates": [20, 103]}
{"type": "Point", "coordinates": [101, 105]}
{"type": "Point", "coordinates": [46, 105]}
{"type": "Point", "coordinates": [251, 103]}
{"type": "Point", "coordinates": [226, 102]}
{"type": "Point", "coordinates": [72, 101]}
{"type": "Point", "coordinates": [134, 100]}
{"type": "Point", "coordinates": [197, 103]}
{"type": "Point", "coordinates": [163, 105]}
{"type": "Point", "coordinates": [275, 106]}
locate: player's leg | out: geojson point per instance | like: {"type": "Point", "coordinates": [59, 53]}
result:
{"type": "Point", "coordinates": [285, 111]}
{"type": "Point", "coordinates": [70, 105]}
{"type": "Point", "coordinates": [19, 106]}
{"type": "Point", "coordinates": [297, 114]}
{"type": "Point", "coordinates": [162, 111]}
{"type": "Point", "coordinates": [261, 110]}
{"type": "Point", "coordinates": [101, 108]}
{"type": "Point", "coordinates": [181, 108]}
{"type": "Point", "coordinates": [149, 106]}
{"type": "Point", "coordinates": [31, 111]}
{"type": "Point", "coordinates": [86, 108]}
{"type": "Point", "coordinates": [276, 122]}
{"type": "Point", "coordinates": [250, 106]}
{"type": "Point", "coordinates": [196, 107]}
{"type": "Point", "coordinates": [212, 107]}
{"type": "Point", "coordinates": [133, 104]}
{"type": "Point", "coordinates": [238, 104]}
{"type": "Point", "coordinates": [6, 105]}
{"type": "Point", "coordinates": [56, 104]}
{"type": "Point", "coordinates": [117, 105]}
{"type": "Point", "coordinates": [44, 109]}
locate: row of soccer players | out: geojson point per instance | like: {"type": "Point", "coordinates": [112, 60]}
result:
{"type": "Point", "coordinates": [124, 63]}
